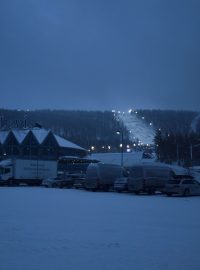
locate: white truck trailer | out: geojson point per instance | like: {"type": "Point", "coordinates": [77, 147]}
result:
{"type": "Point", "coordinates": [26, 171]}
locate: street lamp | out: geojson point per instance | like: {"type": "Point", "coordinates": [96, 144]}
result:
{"type": "Point", "coordinates": [191, 151]}
{"type": "Point", "coordinates": [122, 145]}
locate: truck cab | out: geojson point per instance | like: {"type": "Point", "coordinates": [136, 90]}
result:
{"type": "Point", "coordinates": [5, 171]}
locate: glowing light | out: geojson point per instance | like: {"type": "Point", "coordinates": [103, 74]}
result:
{"type": "Point", "coordinates": [150, 124]}
{"type": "Point", "coordinates": [92, 147]}
{"type": "Point", "coordinates": [128, 146]}
{"type": "Point", "coordinates": [130, 111]}
{"type": "Point", "coordinates": [109, 147]}
{"type": "Point", "coordinates": [128, 150]}
{"type": "Point", "coordinates": [121, 145]}
{"type": "Point", "coordinates": [143, 117]}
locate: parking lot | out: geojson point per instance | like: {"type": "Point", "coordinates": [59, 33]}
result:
{"type": "Point", "coordinates": [75, 229]}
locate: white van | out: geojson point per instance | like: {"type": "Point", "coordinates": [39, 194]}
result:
{"type": "Point", "coordinates": [148, 178]}
{"type": "Point", "coordinates": [101, 176]}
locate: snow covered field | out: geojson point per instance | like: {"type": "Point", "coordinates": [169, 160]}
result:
{"type": "Point", "coordinates": [57, 229]}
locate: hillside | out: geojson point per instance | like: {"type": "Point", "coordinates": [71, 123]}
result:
{"type": "Point", "coordinates": [85, 128]}
{"type": "Point", "coordinates": [170, 121]}
{"type": "Point", "coordinates": [98, 129]}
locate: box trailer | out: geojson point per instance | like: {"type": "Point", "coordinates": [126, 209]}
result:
{"type": "Point", "coordinates": [26, 171]}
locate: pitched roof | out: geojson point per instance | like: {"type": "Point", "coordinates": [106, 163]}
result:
{"type": "Point", "coordinates": [3, 136]}
{"type": "Point", "coordinates": [20, 134]}
{"type": "Point", "coordinates": [40, 134]}
{"type": "Point", "coordinates": [65, 143]}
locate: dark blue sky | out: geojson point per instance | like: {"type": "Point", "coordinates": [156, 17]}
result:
{"type": "Point", "coordinates": [106, 54]}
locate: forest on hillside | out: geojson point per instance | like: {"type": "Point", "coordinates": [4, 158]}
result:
{"type": "Point", "coordinates": [85, 128]}
{"type": "Point", "coordinates": [174, 140]}
{"type": "Point", "coordinates": [170, 120]}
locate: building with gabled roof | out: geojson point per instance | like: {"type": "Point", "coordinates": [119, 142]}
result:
{"type": "Point", "coordinates": [36, 143]}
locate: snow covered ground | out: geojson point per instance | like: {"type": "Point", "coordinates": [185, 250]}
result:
{"type": "Point", "coordinates": [59, 229]}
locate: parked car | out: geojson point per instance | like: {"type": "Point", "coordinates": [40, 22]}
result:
{"type": "Point", "coordinates": [121, 184]}
{"type": "Point", "coordinates": [185, 187]}
{"type": "Point", "coordinates": [101, 176]}
{"type": "Point", "coordinates": [58, 182]}
{"type": "Point", "coordinates": [147, 178]}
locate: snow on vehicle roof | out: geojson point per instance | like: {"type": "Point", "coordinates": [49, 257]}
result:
{"type": "Point", "coordinates": [129, 159]}
{"type": "Point", "coordinates": [136, 158]}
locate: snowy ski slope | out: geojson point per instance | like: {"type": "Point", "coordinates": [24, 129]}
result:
{"type": "Point", "coordinates": [137, 127]}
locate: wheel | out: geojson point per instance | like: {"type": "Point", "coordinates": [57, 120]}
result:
{"type": "Point", "coordinates": [186, 192]}
{"type": "Point", "coordinates": [168, 194]}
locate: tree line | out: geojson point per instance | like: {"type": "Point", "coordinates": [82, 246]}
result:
{"type": "Point", "coordinates": [169, 120]}
{"type": "Point", "coordinates": [183, 149]}
{"type": "Point", "coordinates": [85, 128]}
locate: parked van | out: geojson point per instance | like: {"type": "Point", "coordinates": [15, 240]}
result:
{"type": "Point", "coordinates": [148, 178]}
{"type": "Point", "coordinates": [101, 176]}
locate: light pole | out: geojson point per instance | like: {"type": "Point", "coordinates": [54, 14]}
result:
{"type": "Point", "coordinates": [122, 145]}
{"type": "Point", "coordinates": [191, 151]}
